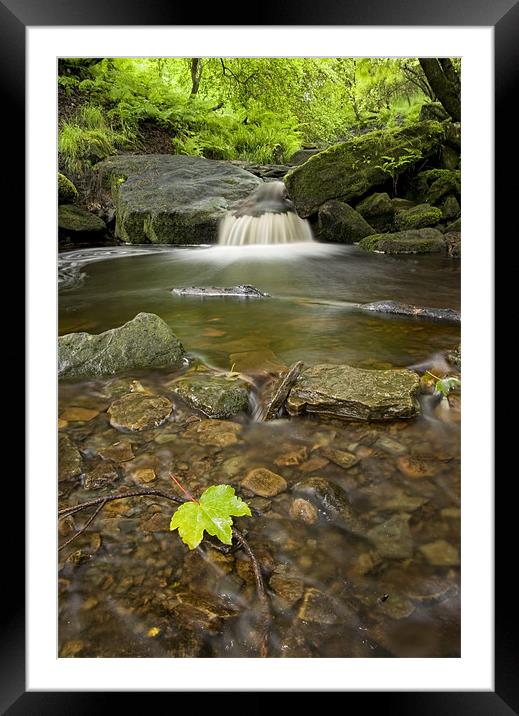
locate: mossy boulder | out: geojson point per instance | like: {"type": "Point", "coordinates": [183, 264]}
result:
{"type": "Point", "coordinates": [433, 110]}
{"type": "Point", "coordinates": [74, 220]}
{"type": "Point", "coordinates": [144, 342]}
{"type": "Point", "coordinates": [418, 217]}
{"type": "Point", "coordinates": [338, 221]}
{"type": "Point", "coordinates": [351, 169]}
{"type": "Point", "coordinates": [454, 225]}
{"type": "Point", "coordinates": [449, 158]}
{"type": "Point", "coordinates": [450, 208]}
{"type": "Point", "coordinates": [67, 192]}
{"type": "Point", "coordinates": [355, 393]}
{"type": "Point", "coordinates": [379, 210]}
{"type": "Point", "coordinates": [432, 185]}
{"type": "Point", "coordinates": [172, 199]}
{"type": "Point", "coordinates": [413, 241]}
{"type": "Point", "coordinates": [216, 397]}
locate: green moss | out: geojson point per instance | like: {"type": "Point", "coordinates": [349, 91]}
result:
{"type": "Point", "coordinates": [415, 241]}
{"type": "Point", "coordinates": [350, 169]}
{"type": "Point", "coordinates": [418, 217]}
{"type": "Point", "coordinates": [67, 192]}
{"type": "Point", "coordinates": [432, 185]}
{"type": "Point", "coordinates": [73, 219]}
{"type": "Point", "coordinates": [214, 396]}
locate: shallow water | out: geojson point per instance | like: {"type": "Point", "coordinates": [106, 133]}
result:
{"type": "Point", "coordinates": [123, 584]}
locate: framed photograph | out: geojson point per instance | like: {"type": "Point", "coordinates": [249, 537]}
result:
{"type": "Point", "coordinates": [247, 441]}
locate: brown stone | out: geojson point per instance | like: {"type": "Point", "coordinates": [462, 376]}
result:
{"type": "Point", "coordinates": [415, 467]}
{"type": "Point", "coordinates": [76, 414]}
{"type": "Point", "coordinates": [139, 411]}
{"type": "Point", "coordinates": [304, 511]}
{"type": "Point", "coordinates": [263, 482]}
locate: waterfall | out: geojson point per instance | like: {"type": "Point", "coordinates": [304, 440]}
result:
{"type": "Point", "coordinates": [267, 216]}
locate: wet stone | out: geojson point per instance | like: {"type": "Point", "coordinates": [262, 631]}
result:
{"type": "Point", "coordinates": [303, 510]}
{"type": "Point", "coordinates": [341, 458]}
{"type": "Point", "coordinates": [324, 609]}
{"type": "Point", "coordinates": [286, 585]}
{"type": "Point", "coordinates": [118, 452]}
{"type": "Point", "coordinates": [78, 414]}
{"type": "Point", "coordinates": [441, 554]}
{"type": "Point", "coordinates": [314, 464]}
{"type": "Point", "coordinates": [390, 446]}
{"type": "Point", "coordinates": [221, 433]}
{"type": "Point", "coordinates": [395, 606]}
{"type": "Point", "coordinates": [263, 482]}
{"type": "Point", "coordinates": [215, 396]}
{"type": "Point", "coordinates": [69, 458]}
{"type": "Point", "coordinates": [139, 411]}
{"type": "Point", "coordinates": [102, 475]}
{"type": "Point", "coordinates": [195, 611]}
{"type": "Point", "coordinates": [292, 457]}
{"type": "Point", "coordinates": [393, 538]}
{"type": "Point", "coordinates": [144, 475]}
{"type": "Point", "coordinates": [416, 467]}
{"type": "Point", "coordinates": [330, 500]}
{"type": "Point", "coordinates": [158, 522]}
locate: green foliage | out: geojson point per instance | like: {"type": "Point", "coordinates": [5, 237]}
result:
{"type": "Point", "coordinates": [446, 385]}
{"type": "Point", "coordinates": [88, 140]}
{"type": "Point", "coordinates": [394, 165]}
{"type": "Point", "coordinates": [212, 512]}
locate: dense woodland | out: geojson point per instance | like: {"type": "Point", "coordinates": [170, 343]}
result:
{"type": "Point", "coordinates": [253, 109]}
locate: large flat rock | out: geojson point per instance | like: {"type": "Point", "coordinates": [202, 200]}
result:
{"type": "Point", "coordinates": [355, 393]}
{"type": "Point", "coordinates": [172, 199]}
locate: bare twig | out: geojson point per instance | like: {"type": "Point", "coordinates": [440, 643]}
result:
{"type": "Point", "coordinates": [83, 528]}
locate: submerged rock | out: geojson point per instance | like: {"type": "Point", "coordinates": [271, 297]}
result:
{"type": "Point", "coordinates": [355, 393]}
{"type": "Point", "coordinates": [441, 554]}
{"type": "Point", "coordinates": [220, 433]}
{"type": "Point", "coordinates": [144, 342]}
{"type": "Point", "coordinates": [216, 397]}
{"type": "Point", "coordinates": [454, 356]}
{"type": "Point", "coordinates": [244, 290]}
{"type": "Point", "coordinates": [339, 222]}
{"type": "Point", "coordinates": [264, 482]}
{"type": "Point", "coordinates": [322, 608]}
{"type": "Point", "coordinates": [393, 538]}
{"type": "Point", "coordinates": [69, 458]}
{"type": "Point", "coordinates": [172, 199]}
{"type": "Point", "coordinates": [139, 411]}
{"type": "Point", "coordinates": [405, 309]}
{"type": "Point", "coordinates": [330, 501]}
{"type": "Point", "coordinates": [101, 475]}
{"type": "Point", "coordinates": [350, 169]}
{"type": "Point", "coordinates": [413, 241]}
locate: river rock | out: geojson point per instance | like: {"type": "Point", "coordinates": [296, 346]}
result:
{"type": "Point", "coordinates": [418, 217]}
{"type": "Point", "coordinates": [200, 612]}
{"type": "Point", "coordinates": [378, 210]}
{"type": "Point", "coordinates": [263, 482]}
{"type": "Point", "coordinates": [405, 309]}
{"type": "Point", "coordinates": [74, 221]}
{"type": "Point", "coordinates": [330, 500]}
{"type": "Point", "coordinates": [432, 185]}
{"type": "Point", "coordinates": [144, 342]}
{"type": "Point", "coordinates": [243, 291]}
{"type": "Point", "coordinates": [454, 226]}
{"type": "Point", "coordinates": [214, 396]}
{"type": "Point", "coordinates": [322, 608]}
{"type": "Point", "coordinates": [303, 510]}
{"type": "Point", "coordinates": [355, 393]}
{"type": "Point", "coordinates": [413, 241]}
{"type": "Point", "coordinates": [220, 433]}
{"type": "Point", "coordinates": [101, 475]}
{"type": "Point", "coordinates": [351, 169]}
{"type": "Point", "coordinates": [454, 356]}
{"type": "Point", "coordinates": [450, 208]}
{"type": "Point", "coordinates": [118, 452]}
{"type": "Point", "coordinates": [342, 458]}
{"type": "Point", "coordinates": [441, 554]}
{"type": "Point", "coordinates": [67, 192]}
{"type": "Point", "coordinates": [172, 199]}
{"type": "Point", "coordinates": [339, 222]}
{"type": "Point", "coordinates": [286, 585]}
{"type": "Point", "coordinates": [69, 458]}
{"type": "Point", "coordinates": [393, 539]}
{"type": "Point", "coordinates": [139, 411]}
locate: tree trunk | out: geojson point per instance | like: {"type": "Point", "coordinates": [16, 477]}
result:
{"type": "Point", "coordinates": [445, 84]}
{"type": "Point", "coordinates": [196, 75]}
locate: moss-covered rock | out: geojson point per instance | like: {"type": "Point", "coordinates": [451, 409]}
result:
{"type": "Point", "coordinates": [449, 158]}
{"type": "Point", "coordinates": [379, 210]}
{"type": "Point", "coordinates": [418, 217]}
{"type": "Point", "coordinates": [355, 393]}
{"type": "Point", "coordinates": [172, 199]}
{"type": "Point", "coordinates": [144, 342]}
{"type": "Point", "coordinates": [433, 110]}
{"type": "Point", "coordinates": [67, 192]}
{"type": "Point", "coordinates": [338, 221]}
{"type": "Point", "coordinates": [216, 397]}
{"type": "Point", "coordinates": [454, 356]}
{"type": "Point", "coordinates": [74, 220]}
{"type": "Point", "coordinates": [414, 241]}
{"type": "Point", "coordinates": [351, 169]}
{"type": "Point", "coordinates": [450, 208]}
{"type": "Point", "coordinates": [432, 185]}
{"type": "Point", "coordinates": [454, 225]}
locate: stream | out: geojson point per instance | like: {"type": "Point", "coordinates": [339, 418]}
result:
{"type": "Point", "coordinates": [130, 588]}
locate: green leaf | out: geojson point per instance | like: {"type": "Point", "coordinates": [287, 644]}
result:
{"type": "Point", "coordinates": [212, 513]}
{"type": "Point", "coordinates": [446, 385]}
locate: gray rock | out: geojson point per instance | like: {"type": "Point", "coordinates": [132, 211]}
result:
{"type": "Point", "coordinates": [302, 155]}
{"type": "Point", "coordinates": [172, 199]}
{"type": "Point", "coordinates": [324, 609]}
{"type": "Point", "coordinates": [339, 222]}
{"type": "Point", "coordinates": [144, 342]}
{"type": "Point", "coordinates": [243, 290]}
{"type": "Point", "coordinates": [355, 393]}
{"type": "Point", "coordinates": [393, 538]}
{"type": "Point", "coordinates": [139, 411]}
{"type": "Point", "coordinates": [450, 208]}
{"type": "Point", "coordinates": [413, 241]}
{"type": "Point", "coordinates": [405, 309]}
{"type": "Point", "coordinates": [215, 396]}
{"type": "Point", "coordinates": [102, 475]}
{"type": "Point", "coordinates": [330, 500]}
{"type": "Point", "coordinates": [74, 220]}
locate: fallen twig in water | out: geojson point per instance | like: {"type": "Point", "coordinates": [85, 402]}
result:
{"type": "Point", "coordinates": [280, 393]}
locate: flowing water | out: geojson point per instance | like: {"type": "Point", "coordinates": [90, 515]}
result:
{"type": "Point", "coordinates": [129, 587]}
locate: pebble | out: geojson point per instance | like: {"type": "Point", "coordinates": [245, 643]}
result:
{"type": "Point", "coordinates": [76, 414]}
{"type": "Point", "coordinates": [263, 482]}
{"type": "Point", "coordinates": [441, 554]}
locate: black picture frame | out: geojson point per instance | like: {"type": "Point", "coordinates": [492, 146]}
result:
{"type": "Point", "coordinates": [503, 16]}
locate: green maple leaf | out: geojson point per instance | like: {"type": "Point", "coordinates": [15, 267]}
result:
{"type": "Point", "coordinates": [212, 513]}
{"type": "Point", "coordinates": [446, 385]}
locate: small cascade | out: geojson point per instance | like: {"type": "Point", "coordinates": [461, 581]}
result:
{"type": "Point", "coordinates": [267, 216]}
